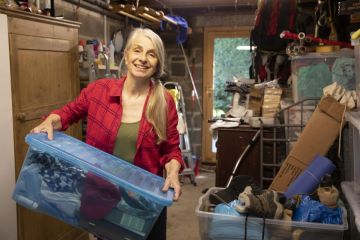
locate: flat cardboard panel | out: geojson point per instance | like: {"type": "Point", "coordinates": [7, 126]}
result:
{"type": "Point", "coordinates": [288, 172]}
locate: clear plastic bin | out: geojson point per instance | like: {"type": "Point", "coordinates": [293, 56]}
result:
{"type": "Point", "coordinates": [88, 188]}
{"type": "Point", "coordinates": [310, 73]}
{"type": "Point", "coordinates": [216, 226]}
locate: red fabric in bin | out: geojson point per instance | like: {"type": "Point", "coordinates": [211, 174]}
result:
{"type": "Point", "coordinates": [99, 197]}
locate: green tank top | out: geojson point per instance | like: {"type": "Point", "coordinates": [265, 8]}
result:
{"type": "Point", "coordinates": [125, 144]}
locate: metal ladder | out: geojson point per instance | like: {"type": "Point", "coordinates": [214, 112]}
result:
{"type": "Point", "coordinates": [185, 145]}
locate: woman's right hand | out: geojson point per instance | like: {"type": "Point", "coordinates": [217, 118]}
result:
{"type": "Point", "coordinates": [51, 123]}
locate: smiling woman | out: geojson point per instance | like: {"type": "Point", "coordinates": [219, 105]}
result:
{"type": "Point", "coordinates": [133, 117]}
{"type": "Point", "coordinates": [143, 60]}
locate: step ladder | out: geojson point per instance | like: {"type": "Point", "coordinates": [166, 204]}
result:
{"type": "Point", "coordinates": [185, 146]}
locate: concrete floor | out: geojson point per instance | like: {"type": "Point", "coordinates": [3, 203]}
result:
{"type": "Point", "coordinates": [182, 221]}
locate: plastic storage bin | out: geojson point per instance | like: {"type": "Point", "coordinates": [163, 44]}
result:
{"type": "Point", "coordinates": [310, 73]}
{"type": "Point", "coordinates": [88, 188]}
{"type": "Point", "coordinates": [216, 226]}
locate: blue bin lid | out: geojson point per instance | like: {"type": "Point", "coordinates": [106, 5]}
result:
{"type": "Point", "coordinates": [118, 171]}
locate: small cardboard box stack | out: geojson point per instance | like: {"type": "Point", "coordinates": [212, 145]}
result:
{"type": "Point", "coordinates": [271, 104]}
{"type": "Point", "coordinates": [255, 101]}
{"type": "Point", "coordinates": [319, 134]}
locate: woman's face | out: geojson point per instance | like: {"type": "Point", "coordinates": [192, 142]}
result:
{"type": "Point", "coordinates": [141, 59]}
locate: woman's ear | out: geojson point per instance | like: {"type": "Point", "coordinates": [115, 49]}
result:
{"type": "Point", "coordinates": [125, 60]}
{"type": "Point", "coordinates": [125, 57]}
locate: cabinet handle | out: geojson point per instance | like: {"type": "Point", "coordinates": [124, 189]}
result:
{"type": "Point", "coordinates": [21, 116]}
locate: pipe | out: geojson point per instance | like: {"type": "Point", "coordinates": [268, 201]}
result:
{"type": "Point", "coordinates": [192, 79]}
{"type": "Point", "coordinates": [105, 30]}
{"type": "Point", "coordinates": [290, 35]}
{"type": "Point", "coordinates": [301, 37]}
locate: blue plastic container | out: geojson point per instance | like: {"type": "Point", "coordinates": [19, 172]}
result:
{"type": "Point", "coordinates": [88, 188]}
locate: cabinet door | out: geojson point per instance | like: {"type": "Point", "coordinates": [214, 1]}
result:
{"type": "Point", "coordinates": [44, 77]}
{"type": "Point", "coordinates": [230, 145]}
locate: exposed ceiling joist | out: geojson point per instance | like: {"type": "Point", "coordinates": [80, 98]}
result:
{"type": "Point", "coordinates": [191, 7]}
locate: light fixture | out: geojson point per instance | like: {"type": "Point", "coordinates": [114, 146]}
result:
{"type": "Point", "coordinates": [243, 47]}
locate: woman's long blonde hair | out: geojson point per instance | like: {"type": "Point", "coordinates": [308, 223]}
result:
{"type": "Point", "coordinates": [157, 105]}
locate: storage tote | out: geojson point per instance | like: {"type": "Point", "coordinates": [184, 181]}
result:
{"type": "Point", "coordinates": [217, 226]}
{"type": "Point", "coordinates": [89, 189]}
{"type": "Point", "coordinates": [312, 72]}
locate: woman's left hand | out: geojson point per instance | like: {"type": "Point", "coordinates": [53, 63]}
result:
{"type": "Point", "coordinates": [172, 178]}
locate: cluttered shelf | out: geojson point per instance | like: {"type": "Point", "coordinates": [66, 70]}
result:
{"type": "Point", "coordinates": [302, 172]}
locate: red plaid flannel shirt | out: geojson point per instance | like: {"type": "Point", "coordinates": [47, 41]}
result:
{"type": "Point", "coordinates": [101, 103]}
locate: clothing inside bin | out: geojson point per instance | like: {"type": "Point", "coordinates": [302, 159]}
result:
{"type": "Point", "coordinates": [55, 186]}
{"type": "Point", "coordinates": [222, 228]}
{"type": "Point", "coordinates": [98, 197]}
{"type": "Point", "coordinates": [58, 175]}
{"type": "Point", "coordinates": [138, 202]}
{"type": "Point", "coordinates": [135, 219]}
{"type": "Point", "coordinates": [104, 205]}
{"type": "Point", "coordinates": [232, 192]}
{"type": "Point", "coordinates": [310, 210]}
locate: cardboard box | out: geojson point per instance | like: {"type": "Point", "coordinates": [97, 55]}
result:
{"type": "Point", "coordinates": [255, 101]}
{"type": "Point", "coordinates": [295, 115]}
{"type": "Point", "coordinates": [318, 136]}
{"type": "Point", "coordinates": [271, 103]}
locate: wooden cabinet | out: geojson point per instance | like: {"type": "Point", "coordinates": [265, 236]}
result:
{"type": "Point", "coordinates": [44, 76]}
{"type": "Point", "coordinates": [230, 145]}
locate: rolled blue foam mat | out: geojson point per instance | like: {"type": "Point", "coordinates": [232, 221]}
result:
{"type": "Point", "coordinates": [310, 178]}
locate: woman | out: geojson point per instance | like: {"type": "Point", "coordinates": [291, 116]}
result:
{"type": "Point", "coordinates": [134, 117]}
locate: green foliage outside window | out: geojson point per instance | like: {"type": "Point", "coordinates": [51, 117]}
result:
{"type": "Point", "coordinates": [228, 62]}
